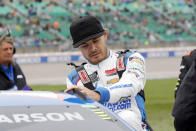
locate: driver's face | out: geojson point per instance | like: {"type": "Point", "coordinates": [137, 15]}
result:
{"type": "Point", "coordinates": [95, 50]}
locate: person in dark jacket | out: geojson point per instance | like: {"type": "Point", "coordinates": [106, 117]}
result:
{"type": "Point", "coordinates": [186, 62]}
{"type": "Point", "coordinates": [184, 110]}
{"type": "Point", "coordinates": [11, 75]}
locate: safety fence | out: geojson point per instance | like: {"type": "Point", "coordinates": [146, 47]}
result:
{"type": "Point", "coordinates": [75, 56]}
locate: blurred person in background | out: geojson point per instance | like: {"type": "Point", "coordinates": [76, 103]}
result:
{"type": "Point", "coordinates": [105, 77]}
{"type": "Point", "coordinates": [11, 75]}
{"type": "Point", "coordinates": [186, 62]}
{"type": "Point", "coordinates": [184, 110]}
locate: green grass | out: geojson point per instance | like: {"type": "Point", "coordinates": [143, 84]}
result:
{"type": "Point", "coordinates": [159, 101]}
{"type": "Point", "coordinates": [48, 87]}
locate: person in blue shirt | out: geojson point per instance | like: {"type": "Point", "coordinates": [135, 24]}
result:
{"type": "Point", "coordinates": [11, 75]}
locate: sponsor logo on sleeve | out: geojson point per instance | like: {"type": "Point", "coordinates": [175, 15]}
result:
{"type": "Point", "coordinates": [134, 72]}
{"type": "Point", "coordinates": [139, 60]}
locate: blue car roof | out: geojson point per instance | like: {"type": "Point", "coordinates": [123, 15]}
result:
{"type": "Point", "coordinates": [23, 98]}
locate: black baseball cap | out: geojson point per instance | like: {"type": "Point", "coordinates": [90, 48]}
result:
{"type": "Point", "coordinates": [85, 28]}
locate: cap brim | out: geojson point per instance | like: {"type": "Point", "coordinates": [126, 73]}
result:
{"type": "Point", "coordinates": [77, 44]}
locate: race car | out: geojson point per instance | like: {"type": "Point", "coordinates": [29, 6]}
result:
{"type": "Point", "coordinates": [55, 111]}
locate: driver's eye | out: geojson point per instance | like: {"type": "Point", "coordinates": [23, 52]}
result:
{"type": "Point", "coordinates": [84, 46]}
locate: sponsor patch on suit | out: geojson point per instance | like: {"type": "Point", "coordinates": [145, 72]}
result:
{"type": "Point", "coordinates": [112, 81]}
{"type": "Point", "coordinates": [94, 76]}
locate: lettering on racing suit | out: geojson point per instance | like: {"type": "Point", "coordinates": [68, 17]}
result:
{"type": "Point", "coordinates": [123, 104]}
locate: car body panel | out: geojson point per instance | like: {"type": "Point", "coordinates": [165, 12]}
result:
{"type": "Point", "coordinates": [41, 110]}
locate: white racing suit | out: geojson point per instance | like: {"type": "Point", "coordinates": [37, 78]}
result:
{"type": "Point", "coordinates": [119, 95]}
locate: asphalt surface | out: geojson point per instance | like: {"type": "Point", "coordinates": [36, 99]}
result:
{"type": "Point", "coordinates": [55, 73]}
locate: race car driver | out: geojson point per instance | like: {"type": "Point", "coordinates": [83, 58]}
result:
{"type": "Point", "coordinates": [118, 93]}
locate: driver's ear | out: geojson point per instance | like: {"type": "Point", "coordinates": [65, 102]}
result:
{"type": "Point", "coordinates": [105, 34]}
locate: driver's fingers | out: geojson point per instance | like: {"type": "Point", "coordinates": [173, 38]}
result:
{"type": "Point", "coordinates": [69, 89]}
{"type": "Point", "coordinates": [80, 88]}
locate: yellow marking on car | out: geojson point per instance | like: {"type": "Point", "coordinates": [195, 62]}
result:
{"type": "Point", "coordinates": [103, 115]}
{"type": "Point", "coordinates": [100, 112]}
{"type": "Point", "coordinates": [97, 111]}
{"type": "Point", "coordinates": [107, 118]}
